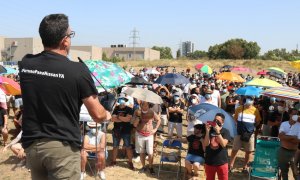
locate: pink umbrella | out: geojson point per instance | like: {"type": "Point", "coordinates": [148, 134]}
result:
{"type": "Point", "coordinates": [263, 72]}
{"type": "Point", "coordinates": [198, 66]}
{"type": "Point", "coordinates": [242, 69]}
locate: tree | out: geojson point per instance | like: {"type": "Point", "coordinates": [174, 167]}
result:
{"type": "Point", "coordinates": [165, 52]}
{"type": "Point", "coordinates": [234, 49]}
{"type": "Point", "coordinates": [178, 54]}
{"type": "Point", "coordinates": [197, 54]}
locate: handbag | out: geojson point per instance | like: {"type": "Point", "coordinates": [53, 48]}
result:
{"type": "Point", "coordinates": [245, 135]}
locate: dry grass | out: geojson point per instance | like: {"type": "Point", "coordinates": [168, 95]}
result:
{"type": "Point", "coordinates": [9, 171]}
{"type": "Point", "coordinates": [216, 64]}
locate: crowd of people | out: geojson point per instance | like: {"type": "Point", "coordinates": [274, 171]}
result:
{"type": "Point", "coordinates": [55, 145]}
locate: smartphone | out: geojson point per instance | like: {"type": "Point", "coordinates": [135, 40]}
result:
{"type": "Point", "coordinates": [212, 123]}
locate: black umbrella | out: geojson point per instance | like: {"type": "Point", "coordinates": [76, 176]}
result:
{"type": "Point", "coordinates": [2, 69]}
{"type": "Point", "coordinates": [139, 81]}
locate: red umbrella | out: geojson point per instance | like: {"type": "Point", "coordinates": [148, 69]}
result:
{"type": "Point", "coordinates": [263, 72]}
{"type": "Point", "coordinates": [242, 69]}
{"type": "Point", "coordinates": [198, 66]}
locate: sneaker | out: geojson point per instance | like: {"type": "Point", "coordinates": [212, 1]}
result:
{"type": "Point", "coordinates": [130, 166]}
{"type": "Point", "coordinates": [112, 164]}
{"type": "Point", "coordinates": [137, 159]}
{"type": "Point", "coordinates": [146, 157]}
{"type": "Point", "coordinates": [230, 170]}
{"type": "Point", "coordinates": [82, 175]}
{"type": "Point", "coordinates": [22, 163]}
{"type": "Point", "coordinates": [245, 170]}
{"type": "Point", "coordinates": [143, 170]}
{"type": "Point", "coordinates": [101, 175]}
{"type": "Point", "coordinates": [151, 171]}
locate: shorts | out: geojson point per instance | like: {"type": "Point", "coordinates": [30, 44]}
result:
{"type": "Point", "coordinates": [164, 119]}
{"type": "Point", "coordinates": [126, 140]}
{"type": "Point", "coordinates": [238, 144]}
{"type": "Point", "coordinates": [194, 158]}
{"type": "Point", "coordinates": [143, 142]}
{"type": "Point", "coordinates": [52, 159]}
{"type": "Point", "coordinates": [177, 126]}
{"type": "Point", "coordinates": [18, 102]}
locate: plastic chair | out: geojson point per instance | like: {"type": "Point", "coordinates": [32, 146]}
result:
{"type": "Point", "coordinates": [265, 164]}
{"type": "Point", "coordinates": [173, 157]}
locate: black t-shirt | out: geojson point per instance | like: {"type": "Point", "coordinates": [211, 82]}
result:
{"type": "Point", "coordinates": [52, 90]}
{"type": "Point", "coordinates": [122, 127]}
{"type": "Point", "coordinates": [217, 156]}
{"type": "Point", "coordinates": [174, 116]}
{"type": "Point", "coordinates": [2, 113]}
{"type": "Point", "coordinates": [276, 116]}
{"type": "Point", "coordinates": [195, 146]}
{"type": "Point", "coordinates": [163, 106]}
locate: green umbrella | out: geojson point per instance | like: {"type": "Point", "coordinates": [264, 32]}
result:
{"type": "Point", "coordinates": [206, 69]}
{"type": "Point", "coordinates": [110, 75]}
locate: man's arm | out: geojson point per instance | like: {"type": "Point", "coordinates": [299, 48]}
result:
{"type": "Point", "coordinates": [292, 139]}
{"type": "Point", "coordinates": [95, 109]}
{"type": "Point", "coordinates": [92, 148]}
{"type": "Point", "coordinates": [127, 118]}
{"type": "Point", "coordinates": [157, 119]}
{"type": "Point", "coordinates": [206, 138]}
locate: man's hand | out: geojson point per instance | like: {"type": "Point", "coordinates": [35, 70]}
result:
{"type": "Point", "coordinates": [21, 154]}
{"type": "Point", "coordinates": [217, 128]}
{"type": "Point", "coordinates": [108, 115]}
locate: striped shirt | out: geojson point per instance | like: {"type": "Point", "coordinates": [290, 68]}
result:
{"type": "Point", "coordinates": [250, 116]}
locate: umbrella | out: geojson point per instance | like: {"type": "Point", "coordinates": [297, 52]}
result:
{"type": "Point", "coordinates": [152, 71]}
{"type": "Point", "coordinates": [230, 76]}
{"type": "Point", "coordinates": [276, 70]}
{"type": "Point", "coordinates": [263, 83]}
{"type": "Point", "coordinates": [206, 112]}
{"type": "Point", "coordinates": [110, 75]}
{"type": "Point", "coordinates": [2, 69]}
{"type": "Point", "coordinates": [198, 66]}
{"type": "Point", "coordinates": [263, 72]}
{"type": "Point", "coordinates": [296, 64]}
{"type": "Point", "coordinates": [9, 86]}
{"type": "Point", "coordinates": [248, 91]}
{"type": "Point", "coordinates": [129, 74]}
{"type": "Point", "coordinates": [283, 92]}
{"type": "Point", "coordinates": [144, 95]}
{"type": "Point", "coordinates": [139, 81]}
{"type": "Point", "coordinates": [10, 71]}
{"type": "Point", "coordinates": [227, 67]}
{"type": "Point", "coordinates": [206, 69]}
{"type": "Point", "coordinates": [241, 69]}
{"type": "Point", "coordinates": [172, 78]}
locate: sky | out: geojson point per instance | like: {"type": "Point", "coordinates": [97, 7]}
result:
{"type": "Point", "coordinates": [270, 23]}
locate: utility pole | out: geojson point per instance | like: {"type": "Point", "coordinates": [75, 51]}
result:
{"type": "Point", "coordinates": [134, 36]}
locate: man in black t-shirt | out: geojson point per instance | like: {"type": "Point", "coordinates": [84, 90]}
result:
{"type": "Point", "coordinates": [176, 109]}
{"type": "Point", "coordinates": [122, 130]}
{"type": "Point", "coordinates": [216, 155]}
{"type": "Point", "coordinates": [53, 90]}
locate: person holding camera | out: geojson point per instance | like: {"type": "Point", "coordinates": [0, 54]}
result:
{"type": "Point", "coordinates": [247, 118]}
{"type": "Point", "coordinates": [215, 142]}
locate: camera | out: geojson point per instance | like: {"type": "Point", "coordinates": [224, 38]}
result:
{"type": "Point", "coordinates": [211, 123]}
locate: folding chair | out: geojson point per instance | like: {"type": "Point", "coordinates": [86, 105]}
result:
{"type": "Point", "coordinates": [172, 157]}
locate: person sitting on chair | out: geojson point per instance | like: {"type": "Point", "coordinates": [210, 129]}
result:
{"type": "Point", "coordinates": [94, 145]}
{"type": "Point", "coordinates": [196, 148]}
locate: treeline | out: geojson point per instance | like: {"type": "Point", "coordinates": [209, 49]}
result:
{"type": "Point", "coordinates": [233, 49]}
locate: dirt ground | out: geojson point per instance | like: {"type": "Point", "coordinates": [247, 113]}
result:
{"type": "Point", "coordinates": [9, 170]}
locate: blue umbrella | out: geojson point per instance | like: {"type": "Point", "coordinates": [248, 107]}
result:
{"type": "Point", "coordinates": [207, 112]}
{"type": "Point", "coordinates": [248, 91]}
{"type": "Point", "coordinates": [172, 78]}
{"type": "Point", "coordinates": [10, 71]}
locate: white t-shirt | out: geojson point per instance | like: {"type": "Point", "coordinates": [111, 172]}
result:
{"type": "Point", "coordinates": [215, 97]}
{"type": "Point", "coordinates": [289, 130]}
{"type": "Point", "coordinates": [191, 124]}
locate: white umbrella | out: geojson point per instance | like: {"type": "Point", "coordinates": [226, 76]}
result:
{"type": "Point", "coordinates": [152, 71]}
{"type": "Point", "coordinates": [129, 74]}
{"type": "Point", "coordinates": [144, 95]}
